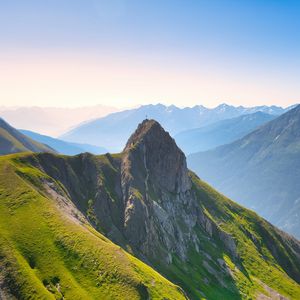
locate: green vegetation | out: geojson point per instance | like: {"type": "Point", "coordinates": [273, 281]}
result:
{"type": "Point", "coordinates": [47, 254]}
{"type": "Point", "coordinates": [257, 243]}
{"type": "Point", "coordinates": [49, 250]}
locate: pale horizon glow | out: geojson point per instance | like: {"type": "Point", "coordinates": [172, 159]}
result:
{"type": "Point", "coordinates": [73, 55]}
{"type": "Point", "coordinates": [64, 80]}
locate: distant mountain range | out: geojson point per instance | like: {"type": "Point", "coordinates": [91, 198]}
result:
{"type": "Point", "coordinates": [220, 133]}
{"type": "Point", "coordinates": [52, 121]}
{"type": "Point", "coordinates": [260, 171]}
{"type": "Point", "coordinates": [133, 225]}
{"type": "Point", "coordinates": [113, 130]}
{"type": "Point", "coordinates": [64, 147]}
{"type": "Point", "coordinates": [13, 141]}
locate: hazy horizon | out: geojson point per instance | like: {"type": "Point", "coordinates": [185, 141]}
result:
{"type": "Point", "coordinates": [121, 108]}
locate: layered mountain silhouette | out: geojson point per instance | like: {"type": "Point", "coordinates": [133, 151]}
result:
{"type": "Point", "coordinates": [220, 133]}
{"type": "Point", "coordinates": [261, 170]}
{"type": "Point", "coordinates": [63, 147]}
{"type": "Point", "coordinates": [113, 130]}
{"type": "Point", "coordinates": [146, 201]}
{"type": "Point", "coordinates": [13, 141]}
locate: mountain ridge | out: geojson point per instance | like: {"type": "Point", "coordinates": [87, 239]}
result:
{"type": "Point", "coordinates": [147, 201]}
{"type": "Point", "coordinates": [120, 125]}
{"type": "Point", "coordinates": [63, 147]}
{"type": "Point", "coordinates": [261, 170]}
{"type": "Point", "coordinates": [13, 141]}
{"type": "Point", "coordinates": [220, 133]}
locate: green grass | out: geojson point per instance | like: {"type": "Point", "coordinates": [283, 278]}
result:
{"type": "Point", "coordinates": [45, 255]}
{"type": "Point", "coordinates": [254, 238]}
{"type": "Point", "coordinates": [10, 143]}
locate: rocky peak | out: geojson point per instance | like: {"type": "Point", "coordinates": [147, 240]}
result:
{"type": "Point", "coordinates": [164, 162]}
{"type": "Point", "coordinates": [145, 128]}
{"type": "Point", "coordinates": [160, 207]}
{"type": "Point", "coordinates": [156, 192]}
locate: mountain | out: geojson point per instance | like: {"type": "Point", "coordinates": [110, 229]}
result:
{"type": "Point", "coordinates": [13, 141]}
{"type": "Point", "coordinates": [63, 147]}
{"type": "Point", "coordinates": [260, 171]}
{"type": "Point", "coordinates": [49, 250]}
{"type": "Point", "coordinates": [52, 121]}
{"type": "Point", "coordinates": [220, 133]}
{"type": "Point", "coordinates": [113, 130]}
{"type": "Point", "coordinates": [61, 216]}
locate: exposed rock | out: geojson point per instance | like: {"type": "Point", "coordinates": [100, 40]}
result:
{"type": "Point", "coordinates": [161, 208]}
{"type": "Point", "coordinates": [271, 294]}
{"type": "Point", "coordinates": [164, 161]}
{"type": "Point", "coordinates": [150, 206]}
{"type": "Point", "coordinates": [229, 242]}
{"type": "Point", "coordinates": [154, 164]}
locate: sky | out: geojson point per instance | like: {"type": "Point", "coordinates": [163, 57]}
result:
{"type": "Point", "coordinates": [124, 53]}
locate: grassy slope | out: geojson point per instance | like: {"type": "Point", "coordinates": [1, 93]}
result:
{"type": "Point", "coordinates": [243, 281]}
{"type": "Point", "coordinates": [254, 238]}
{"type": "Point", "coordinates": [69, 243]}
{"type": "Point", "coordinates": [212, 273]}
{"type": "Point", "coordinates": [44, 255]}
{"type": "Point", "coordinates": [8, 143]}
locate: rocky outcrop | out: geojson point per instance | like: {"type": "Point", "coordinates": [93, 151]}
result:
{"type": "Point", "coordinates": [164, 162]}
{"type": "Point", "coordinates": [148, 203]}
{"type": "Point", "coordinates": [161, 209]}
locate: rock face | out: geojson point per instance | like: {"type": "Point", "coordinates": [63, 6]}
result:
{"type": "Point", "coordinates": [164, 162]}
{"type": "Point", "coordinates": [148, 202]}
{"type": "Point", "coordinates": [161, 208]}
{"type": "Point", "coordinates": [157, 193]}
{"type": "Point", "coordinates": [151, 205]}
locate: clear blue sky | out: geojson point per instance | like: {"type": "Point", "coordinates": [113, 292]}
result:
{"type": "Point", "coordinates": [75, 52]}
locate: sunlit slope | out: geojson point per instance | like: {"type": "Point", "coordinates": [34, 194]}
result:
{"type": "Point", "coordinates": [13, 141]}
{"type": "Point", "coordinates": [265, 256]}
{"type": "Point", "coordinates": [56, 210]}
{"type": "Point", "coordinates": [237, 254]}
{"type": "Point", "coordinates": [48, 250]}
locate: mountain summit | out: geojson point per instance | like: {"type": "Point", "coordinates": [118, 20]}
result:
{"type": "Point", "coordinates": [156, 192]}
{"type": "Point", "coordinates": [164, 163]}
{"type": "Point", "coordinates": [146, 201]}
